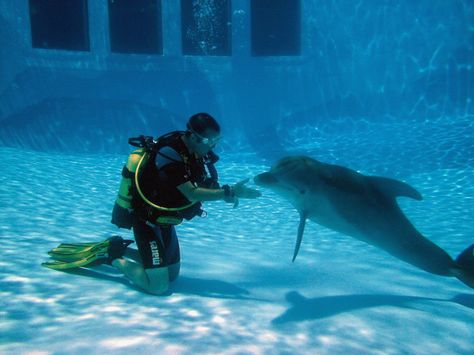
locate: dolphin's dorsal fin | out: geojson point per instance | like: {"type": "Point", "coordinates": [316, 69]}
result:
{"type": "Point", "coordinates": [295, 297]}
{"type": "Point", "coordinates": [395, 188]}
{"type": "Point", "coordinates": [299, 237]}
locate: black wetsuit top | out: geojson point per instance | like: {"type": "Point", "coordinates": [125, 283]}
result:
{"type": "Point", "coordinates": [169, 165]}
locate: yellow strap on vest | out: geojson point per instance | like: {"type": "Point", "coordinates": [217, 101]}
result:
{"type": "Point", "coordinates": [169, 220]}
{"type": "Point", "coordinates": [161, 208]}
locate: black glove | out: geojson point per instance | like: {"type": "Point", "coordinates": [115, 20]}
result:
{"type": "Point", "coordinates": [122, 217]}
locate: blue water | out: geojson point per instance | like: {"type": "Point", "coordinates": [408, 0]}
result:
{"type": "Point", "coordinates": [384, 88]}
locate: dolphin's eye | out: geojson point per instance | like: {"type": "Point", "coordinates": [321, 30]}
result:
{"type": "Point", "coordinates": [302, 192]}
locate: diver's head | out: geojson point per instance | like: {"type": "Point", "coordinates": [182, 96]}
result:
{"type": "Point", "coordinates": [203, 133]}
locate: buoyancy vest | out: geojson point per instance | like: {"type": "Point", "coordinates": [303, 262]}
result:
{"type": "Point", "coordinates": [151, 192]}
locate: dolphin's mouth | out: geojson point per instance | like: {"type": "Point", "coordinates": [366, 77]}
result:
{"type": "Point", "coordinates": [264, 179]}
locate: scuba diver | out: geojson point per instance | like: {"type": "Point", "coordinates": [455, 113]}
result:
{"type": "Point", "coordinates": [163, 183]}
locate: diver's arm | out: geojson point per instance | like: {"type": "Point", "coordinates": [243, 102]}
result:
{"type": "Point", "coordinates": [194, 193]}
{"type": "Point", "coordinates": [226, 193]}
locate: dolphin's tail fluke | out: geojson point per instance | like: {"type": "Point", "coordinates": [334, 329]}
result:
{"type": "Point", "coordinates": [465, 262]}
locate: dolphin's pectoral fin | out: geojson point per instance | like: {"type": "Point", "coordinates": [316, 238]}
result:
{"type": "Point", "coordinates": [394, 188]}
{"type": "Point", "coordinates": [299, 237]}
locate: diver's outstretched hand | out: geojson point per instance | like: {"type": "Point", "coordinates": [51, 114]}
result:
{"type": "Point", "coordinates": [242, 191]}
{"type": "Point", "coordinates": [239, 190]}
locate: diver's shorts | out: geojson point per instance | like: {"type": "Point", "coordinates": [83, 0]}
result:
{"type": "Point", "coordinates": [158, 245]}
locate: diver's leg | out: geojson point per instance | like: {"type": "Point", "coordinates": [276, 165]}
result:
{"type": "Point", "coordinates": [133, 254]}
{"type": "Point", "coordinates": [173, 269]}
{"type": "Point", "coordinates": [154, 281]}
{"type": "Point", "coordinates": [172, 255]}
{"type": "Point", "coordinates": [152, 275]}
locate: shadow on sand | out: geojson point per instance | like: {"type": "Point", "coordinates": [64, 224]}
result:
{"type": "Point", "coordinates": [303, 308]}
{"type": "Point", "coordinates": [183, 285]}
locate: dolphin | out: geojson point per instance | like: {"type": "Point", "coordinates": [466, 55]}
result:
{"type": "Point", "coordinates": [363, 207]}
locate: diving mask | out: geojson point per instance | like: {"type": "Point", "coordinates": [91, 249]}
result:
{"type": "Point", "coordinates": [210, 142]}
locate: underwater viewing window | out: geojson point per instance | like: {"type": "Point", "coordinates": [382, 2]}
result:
{"type": "Point", "coordinates": [135, 26]}
{"type": "Point", "coordinates": [275, 27]}
{"type": "Point", "coordinates": [206, 27]}
{"type": "Point", "coordinates": [59, 24]}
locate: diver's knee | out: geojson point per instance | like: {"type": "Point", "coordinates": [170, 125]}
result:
{"type": "Point", "coordinates": [157, 287]}
{"type": "Point", "coordinates": [158, 281]}
{"type": "Point", "coordinates": [157, 291]}
{"type": "Point", "coordinates": [173, 271]}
